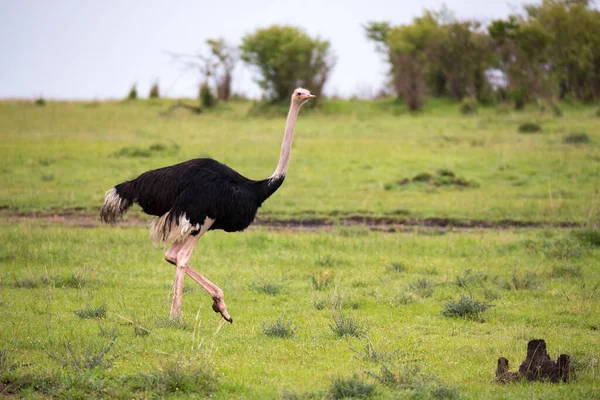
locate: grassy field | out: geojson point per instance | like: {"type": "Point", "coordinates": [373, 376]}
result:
{"type": "Point", "coordinates": [327, 312]}
{"type": "Point", "coordinates": [66, 155]}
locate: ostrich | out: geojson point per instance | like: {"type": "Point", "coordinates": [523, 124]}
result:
{"type": "Point", "coordinates": [194, 197]}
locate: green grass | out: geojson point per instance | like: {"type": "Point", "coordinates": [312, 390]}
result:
{"type": "Point", "coordinates": [84, 308]}
{"type": "Point", "coordinates": [53, 352]}
{"type": "Point", "coordinates": [63, 158]}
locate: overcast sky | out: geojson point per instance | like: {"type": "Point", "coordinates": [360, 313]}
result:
{"type": "Point", "coordinates": [82, 49]}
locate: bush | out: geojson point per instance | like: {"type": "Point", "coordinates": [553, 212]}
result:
{"type": "Point", "coordinates": [529, 127]}
{"type": "Point", "coordinates": [132, 95]}
{"type": "Point", "coordinates": [577, 138]}
{"type": "Point", "coordinates": [468, 106]}
{"type": "Point", "coordinates": [40, 102]}
{"type": "Point", "coordinates": [154, 92]}
{"type": "Point", "coordinates": [207, 97]}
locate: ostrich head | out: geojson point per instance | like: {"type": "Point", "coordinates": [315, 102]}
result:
{"type": "Point", "coordinates": [301, 96]}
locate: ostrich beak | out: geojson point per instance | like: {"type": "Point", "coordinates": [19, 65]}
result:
{"type": "Point", "coordinates": [308, 96]}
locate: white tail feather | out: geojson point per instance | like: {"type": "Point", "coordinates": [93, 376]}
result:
{"type": "Point", "coordinates": [167, 230]}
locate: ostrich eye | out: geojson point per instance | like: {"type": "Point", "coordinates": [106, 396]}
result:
{"type": "Point", "coordinates": [298, 94]}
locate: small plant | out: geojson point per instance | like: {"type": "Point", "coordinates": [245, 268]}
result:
{"type": "Point", "coordinates": [133, 94]}
{"type": "Point", "coordinates": [562, 248]}
{"type": "Point", "coordinates": [589, 237]}
{"type": "Point", "coordinates": [523, 281]}
{"type": "Point", "coordinates": [577, 138]}
{"type": "Point", "coordinates": [40, 102]}
{"type": "Point", "coordinates": [556, 110]}
{"type": "Point", "coordinates": [154, 91]}
{"type": "Point", "coordinates": [176, 323]}
{"type": "Point", "coordinates": [468, 106]}
{"type": "Point", "coordinates": [26, 283]}
{"type": "Point", "coordinates": [89, 358]}
{"type": "Point", "coordinates": [5, 361]}
{"type": "Point", "coordinates": [351, 388]}
{"type": "Point", "coordinates": [529, 127]}
{"type": "Point", "coordinates": [465, 307]}
{"type": "Point", "coordinates": [423, 287]}
{"type": "Point", "coordinates": [270, 288]}
{"type": "Point", "coordinates": [279, 328]}
{"type": "Point", "coordinates": [184, 376]}
{"type": "Point", "coordinates": [207, 97]}
{"type": "Point", "coordinates": [89, 312]}
{"type": "Point", "coordinates": [397, 267]}
{"type": "Point", "coordinates": [323, 280]}
{"type": "Point", "coordinates": [569, 271]}
{"type": "Point", "coordinates": [346, 325]}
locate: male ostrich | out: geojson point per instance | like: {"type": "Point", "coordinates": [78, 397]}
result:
{"type": "Point", "coordinates": [196, 196]}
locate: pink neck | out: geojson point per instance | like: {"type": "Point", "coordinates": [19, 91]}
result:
{"type": "Point", "coordinates": [286, 147]}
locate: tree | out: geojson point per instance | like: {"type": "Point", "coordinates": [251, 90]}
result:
{"type": "Point", "coordinates": [522, 49]}
{"type": "Point", "coordinates": [287, 57]}
{"type": "Point", "coordinates": [216, 67]}
{"type": "Point", "coordinates": [574, 48]}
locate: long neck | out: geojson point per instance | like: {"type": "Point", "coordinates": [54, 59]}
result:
{"type": "Point", "coordinates": [286, 147]}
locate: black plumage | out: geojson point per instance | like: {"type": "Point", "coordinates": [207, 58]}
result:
{"type": "Point", "coordinates": [200, 188]}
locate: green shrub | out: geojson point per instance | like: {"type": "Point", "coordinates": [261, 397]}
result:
{"type": "Point", "coordinates": [529, 127]}
{"type": "Point", "coordinates": [468, 106]}
{"type": "Point", "coordinates": [132, 95]}
{"type": "Point", "coordinates": [154, 91]}
{"type": "Point", "coordinates": [40, 102]}
{"type": "Point", "coordinates": [577, 138]}
{"type": "Point", "coordinates": [207, 97]}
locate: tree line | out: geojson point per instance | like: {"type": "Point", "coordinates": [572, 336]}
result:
{"type": "Point", "coordinates": [549, 51]}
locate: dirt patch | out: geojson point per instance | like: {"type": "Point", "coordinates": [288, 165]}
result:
{"type": "Point", "coordinates": [82, 218]}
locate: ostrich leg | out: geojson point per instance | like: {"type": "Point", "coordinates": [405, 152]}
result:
{"type": "Point", "coordinates": [179, 254]}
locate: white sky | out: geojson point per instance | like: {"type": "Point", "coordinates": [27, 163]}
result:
{"type": "Point", "coordinates": [83, 49]}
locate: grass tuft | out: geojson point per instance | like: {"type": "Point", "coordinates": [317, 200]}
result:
{"type": "Point", "coordinates": [279, 328]}
{"type": "Point", "coordinates": [351, 388]}
{"type": "Point", "coordinates": [397, 267]}
{"type": "Point", "coordinates": [530, 127]}
{"type": "Point", "coordinates": [345, 324]}
{"type": "Point", "coordinates": [323, 280]}
{"type": "Point", "coordinates": [88, 358]}
{"type": "Point", "coordinates": [577, 138]}
{"type": "Point", "coordinates": [466, 307]}
{"type": "Point", "coordinates": [176, 324]}
{"type": "Point", "coordinates": [89, 312]}
{"type": "Point", "coordinates": [589, 237]}
{"type": "Point", "coordinates": [183, 376]}
{"type": "Point", "coordinates": [422, 287]}
{"type": "Point", "coordinates": [270, 288]}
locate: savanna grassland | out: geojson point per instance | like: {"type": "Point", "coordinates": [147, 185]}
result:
{"type": "Point", "coordinates": [443, 242]}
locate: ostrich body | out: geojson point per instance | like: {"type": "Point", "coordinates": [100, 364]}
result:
{"type": "Point", "coordinates": [194, 197]}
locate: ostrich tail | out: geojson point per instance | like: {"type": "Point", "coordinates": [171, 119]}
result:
{"type": "Point", "coordinates": [114, 206]}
